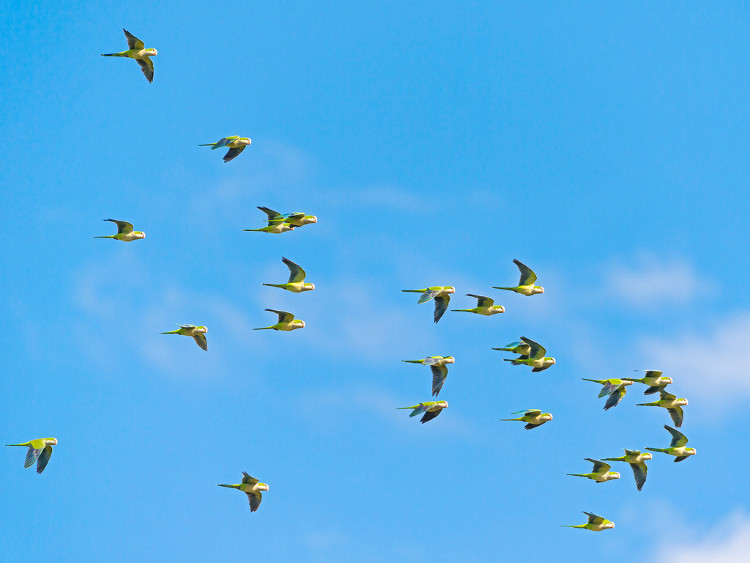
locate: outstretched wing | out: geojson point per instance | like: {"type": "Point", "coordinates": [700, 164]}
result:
{"type": "Point", "coordinates": [676, 413]}
{"type": "Point", "coordinates": [147, 66]}
{"type": "Point", "coordinates": [427, 295]}
{"type": "Point", "coordinates": [536, 350]}
{"type": "Point", "coordinates": [599, 466]}
{"type": "Point", "coordinates": [123, 227]}
{"type": "Point", "coordinates": [284, 316]}
{"type": "Point", "coordinates": [43, 459]}
{"type": "Point", "coordinates": [530, 412]}
{"type": "Point", "coordinates": [188, 327]}
{"type": "Point", "coordinates": [200, 340]}
{"type": "Point", "coordinates": [254, 499]}
{"type": "Point", "coordinates": [439, 375]}
{"type": "Point", "coordinates": [274, 216]}
{"type": "Point", "coordinates": [32, 454]}
{"type": "Point", "coordinates": [133, 41]}
{"type": "Point", "coordinates": [639, 472]}
{"type": "Point", "coordinates": [615, 397]}
{"type": "Point", "coordinates": [247, 479]}
{"type": "Point", "coordinates": [528, 277]}
{"type": "Point", "coordinates": [594, 519]}
{"type": "Point", "coordinates": [482, 301]}
{"type": "Point", "coordinates": [429, 415]}
{"type": "Point", "coordinates": [441, 306]}
{"type": "Point", "coordinates": [297, 274]}
{"type": "Point", "coordinates": [232, 153]}
{"type": "Point", "coordinates": [678, 438]}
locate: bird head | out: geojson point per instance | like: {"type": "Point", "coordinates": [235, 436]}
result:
{"type": "Point", "coordinates": [309, 286]}
{"type": "Point", "coordinates": [151, 52]}
{"type": "Point", "coordinates": [245, 140]}
{"type": "Point", "coordinates": [201, 329]}
{"type": "Point", "coordinates": [443, 404]}
{"type": "Point", "coordinates": [310, 219]}
{"type": "Point", "coordinates": [262, 487]}
{"type": "Point", "coordinates": [552, 360]}
{"type": "Point", "coordinates": [538, 289]}
{"type": "Point", "coordinates": [609, 525]}
{"type": "Point", "coordinates": [681, 402]}
{"type": "Point", "coordinates": [547, 416]}
{"type": "Point", "coordinates": [51, 441]}
{"type": "Point", "coordinates": [626, 382]}
{"type": "Point", "coordinates": [614, 475]}
{"type": "Point", "coordinates": [646, 455]}
{"type": "Point", "coordinates": [140, 234]}
{"type": "Point", "coordinates": [450, 289]}
{"type": "Point", "coordinates": [499, 308]}
{"type": "Point", "coordinates": [666, 380]}
{"type": "Point", "coordinates": [691, 451]}
{"type": "Point", "coordinates": [449, 360]}
{"type": "Point", "coordinates": [300, 323]}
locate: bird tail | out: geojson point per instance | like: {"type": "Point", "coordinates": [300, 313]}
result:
{"type": "Point", "coordinates": [112, 55]}
{"type": "Point", "coordinates": [463, 310]}
{"type": "Point", "coordinates": [16, 444]}
{"type": "Point", "coordinates": [251, 230]}
{"type": "Point", "coordinates": [172, 332]}
{"type": "Point", "coordinates": [577, 474]}
{"type": "Point", "coordinates": [412, 361]}
{"type": "Point", "coordinates": [274, 285]}
{"type": "Point", "coordinates": [647, 404]}
{"type": "Point", "coordinates": [504, 349]}
{"type": "Point", "coordinates": [657, 449]}
{"type": "Point", "coordinates": [110, 236]}
{"type": "Point", "coordinates": [509, 419]}
{"type": "Point", "coordinates": [514, 361]}
{"type": "Point", "coordinates": [594, 380]}
{"type": "Point", "coordinates": [264, 328]}
{"type": "Point", "coordinates": [578, 526]}
{"type": "Point", "coordinates": [611, 459]}
{"type": "Point", "coordinates": [506, 288]}
{"type": "Point", "coordinates": [212, 145]}
{"type": "Point", "coordinates": [228, 486]}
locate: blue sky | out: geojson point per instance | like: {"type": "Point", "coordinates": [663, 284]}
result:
{"type": "Point", "coordinates": [605, 146]}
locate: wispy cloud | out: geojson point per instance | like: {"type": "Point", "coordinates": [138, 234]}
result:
{"type": "Point", "coordinates": [728, 542]}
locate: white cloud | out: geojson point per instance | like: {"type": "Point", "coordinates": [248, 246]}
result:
{"type": "Point", "coordinates": [727, 542]}
{"type": "Point", "coordinates": [711, 362]}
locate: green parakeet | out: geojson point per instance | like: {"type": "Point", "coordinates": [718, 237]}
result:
{"type": "Point", "coordinates": [520, 348]}
{"type": "Point", "coordinates": [252, 488]}
{"type": "Point", "coordinates": [125, 231]}
{"type": "Point", "coordinates": [677, 447]}
{"type": "Point", "coordinates": [485, 306]}
{"type": "Point", "coordinates": [532, 417]}
{"type": "Point", "coordinates": [296, 283]}
{"type": "Point", "coordinates": [671, 403]}
{"type": "Point", "coordinates": [536, 357]}
{"type": "Point", "coordinates": [286, 322]}
{"type": "Point", "coordinates": [595, 523]}
{"type": "Point", "coordinates": [526, 283]}
{"type": "Point", "coordinates": [136, 50]}
{"type": "Point", "coordinates": [234, 143]}
{"type": "Point", "coordinates": [431, 409]}
{"type": "Point", "coordinates": [654, 380]}
{"type": "Point", "coordinates": [439, 370]}
{"type": "Point", "coordinates": [39, 452]}
{"type": "Point", "coordinates": [441, 295]}
{"type": "Point", "coordinates": [600, 473]}
{"type": "Point", "coordinates": [296, 219]}
{"type": "Point", "coordinates": [197, 333]}
{"type": "Point", "coordinates": [636, 460]}
{"type": "Point", "coordinates": [615, 388]}
{"type": "Point", "coordinates": [276, 224]}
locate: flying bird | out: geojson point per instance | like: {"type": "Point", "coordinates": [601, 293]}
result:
{"type": "Point", "coordinates": [485, 306]}
{"type": "Point", "coordinates": [441, 295]}
{"type": "Point", "coordinates": [235, 144]}
{"type": "Point", "coordinates": [615, 388]}
{"type": "Point", "coordinates": [526, 283]}
{"type": "Point", "coordinates": [296, 219]}
{"type": "Point", "coordinates": [286, 322]}
{"type": "Point", "coordinates": [39, 452]}
{"type": "Point", "coordinates": [439, 370]}
{"type": "Point", "coordinates": [520, 348]}
{"type": "Point", "coordinates": [677, 446]}
{"type": "Point", "coordinates": [600, 473]}
{"type": "Point", "coordinates": [532, 417]}
{"type": "Point", "coordinates": [252, 488]}
{"type": "Point", "coordinates": [296, 283]}
{"type": "Point", "coordinates": [431, 409]}
{"type": "Point", "coordinates": [654, 379]}
{"type": "Point", "coordinates": [595, 523]}
{"type": "Point", "coordinates": [671, 403]}
{"type": "Point", "coordinates": [636, 460]}
{"type": "Point", "coordinates": [136, 50]}
{"type": "Point", "coordinates": [125, 231]}
{"type": "Point", "coordinates": [536, 357]}
{"type": "Point", "coordinates": [198, 333]}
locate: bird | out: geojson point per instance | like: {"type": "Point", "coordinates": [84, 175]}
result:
{"type": "Point", "coordinates": [677, 446]}
{"type": "Point", "coordinates": [671, 403]}
{"type": "Point", "coordinates": [198, 334]}
{"type": "Point", "coordinates": [40, 450]}
{"type": "Point", "coordinates": [615, 388]}
{"type": "Point", "coordinates": [654, 379]}
{"type": "Point", "coordinates": [276, 223]}
{"type": "Point", "coordinates": [286, 322]}
{"type": "Point", "coordinates": [252, 488]}
{"type": "Point", "coordinates": [533, 418]}
{"type": "Point", "coordinates": [439, 370]}
{"type": "Point", "coordinates": [536, 357]}
{"type": "Point", "coordinates": [516, 348]}
{"type": "Point", "coordinates": [485, 306]}
{"type": "Point", "coordinates": [125, 231]}
{"type": "Point", "coordinates": [235, 143]}
{"type": "Point", "coordinates": [600, 473]}
{"type": "Point", "coordinates": [526, 283]}
{"type": "Point", "coordinates": [441, 294]}
{"type": "Point", "coordinates": [595, 523]}
{"type": "Point", "coordinates": [431, 409]}
{"type": "Point", "coordinates": [136, 50]}
{"type": "Point", "coordinates": [296, 219]}
{"type": "Point", "coordinates": [637, 460]}
{"type": "Point", "coordinates": [296, 283]}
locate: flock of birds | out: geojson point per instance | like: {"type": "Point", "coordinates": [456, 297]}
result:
{"type": "Point", "coordinates": [529, 352]}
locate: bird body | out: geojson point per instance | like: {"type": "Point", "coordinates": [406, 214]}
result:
{"type": "Point", "coordinates": [440, 293]}
{"type": "Point", "coordinates": [252, 488]}
{"type": "Point", "coordinates": [439, 370]}
{"type": "Point", "coordinates": [536, 358]}
{"type": "Point", "coordinates": [654, 379]}
{"type": "Point", "coordinates": [430, 409]}
{"type": "Point", "coordinates": [615, 388]}
{"type": "Point", "coordinates": [677, 447]}
{"type": "Point", "coordinates": [600, 473]}
{"type": "Point", "coordinates": [234, 143]}
{"type": "Point", "coordinates": [296, 283]}
{"type": "Point", "coordinates": [197, 333]}
{"type": "Point", "coordinates": [637, 460]}
{"type": "Point", "coordinates": [526, 283]}
{"type": "Point", "coordinates": [595, 523]}
{"type": "Point", "coordinates": [125, 231]}
{"type": "Point", "coordinates": [532, 417]}
{"type": "Point", "coordinates": [485, 306]}
{"type": "Point", "coordinates": [137, 50]}
{"type": "Point", "coordinates": [295, 219]}
{"type": "Point", "coordinates": [671, 403]}
{"type": "Point", "coordinates": [286, 322]}
{"type": "Point", "coordinates": [39, 452]}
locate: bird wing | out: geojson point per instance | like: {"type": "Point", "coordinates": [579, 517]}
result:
{"type": "Point", "coordinates": [441, 306]}
{"type": "Point", "coordinates": [536, 350]}
{"type": "Point", "coordinates": [272, 215]}
{"type": "Point", "coordinates": [676, 413]}
{"type": "Point", "coordinates": [147, 66]}
{"type": "Point", "coordinates": [254, 499]}
{"type": "Point", "coordinates": [297, 274]}
{"type": "Point", "coordinates": [439, 375]}
{"type": "Point", "coordinates": [531, 412]}
{"type": "Point", "coordinates": [133, 41]}
{"type": "Point", "coordinates": [429, 415]}
{"type": "Point", "coordinates": [594, 519]}
{"type": "Point", "coordinates": [427, 295]}
{"type": "Point", "coordinates": [232, 153]}
{"type": "Point", "coordinates": [123, 227]}
{"type": "Point", "coordinates": [43, 459]}
{"type": "Point", "coordinates": [615, 397]}
{"type": "Point", "coordinates": [653, 373]}
{"type": "Point", "coordinates": [528, 277]}
{"type": "Point", "coordinates": [678, 438]}
{"type": "Point", "coordinates": [599, 466]}
{"type": "Point", "coordinates": [187, 327]}
{"type": "Point", "coordinates": [32, 454]}
{"type": "Point", "coordinates": [284, 316]}
{"type": "Point", "coordinates": [248, 479]}
{"type": "Point", "coordinates": [666, 395]}
{"type": "Point", "coordinates": [482, 301]}
{"type": "Point", "coordinates": [200, 340]}
{"type": "Point", "coordinates": [639, 472]}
